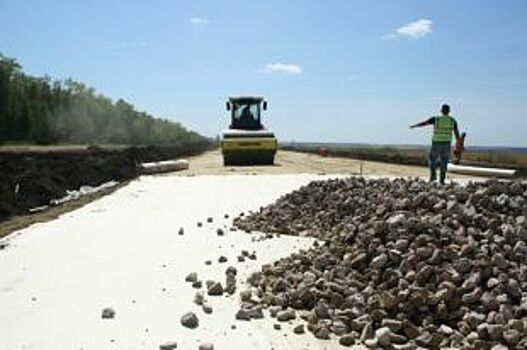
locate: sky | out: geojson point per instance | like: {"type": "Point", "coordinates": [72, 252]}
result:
{"type": "Point", "coordinates": [331, 71]}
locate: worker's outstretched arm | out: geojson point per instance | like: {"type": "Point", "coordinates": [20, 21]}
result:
{"type": "Point", "coordinates": [424, 123]}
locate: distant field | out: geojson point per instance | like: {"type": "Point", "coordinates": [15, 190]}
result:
{"type": "Point", "coordinates": [502, 157]}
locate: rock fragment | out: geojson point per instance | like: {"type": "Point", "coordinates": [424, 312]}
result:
{"type": "Point", "coordinates": [108, 313]}
{"type": "Point", "coordinates": [191, 277]}
{"type": "Point", "coordinates": [286, 315]}
{"type": "Point", "coordinates": [299, 329]}
{"type": "Point", "coordinates": [383, 336]}
{"type": "Point", "coordinates": [190, 320]}
{"type": "Point", "coordinates": [215, 289]}
{"type": "Point", "coordinates": [171, 345]}
{"type": "Point", "coordinates": [230, 283]}
{"type": "Point", "coordinates": [206, 308]}
{"type": "Point", "coordinates": [206, 346]}
{"type": "Point", "coordinates": [247, 314]}
{"type": "Point", "coordinates": [199, 298]}
{"type": "Point", "coordinates": [347, 340]}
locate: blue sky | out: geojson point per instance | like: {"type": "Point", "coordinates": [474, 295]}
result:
{"type": "Point", "coordinates": [355, 71]}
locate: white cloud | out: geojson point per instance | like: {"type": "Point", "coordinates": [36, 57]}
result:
{"type": "Point", "coordinates": [389, 36]}
{"type": "Point", "coordinates": [282, 68]}
{"type": "Point", "coordinates": [199, 21]}
{"type": "Point", "coordinates": [413, 30]}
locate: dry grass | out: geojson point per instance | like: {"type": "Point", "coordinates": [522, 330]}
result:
{"type": "Point", "coordinates": [419, 156]}
{"type": "Point", "coordinates": [497, 157]}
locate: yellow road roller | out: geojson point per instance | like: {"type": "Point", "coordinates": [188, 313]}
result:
{"type": "Point", "coordinates": [247, 141]}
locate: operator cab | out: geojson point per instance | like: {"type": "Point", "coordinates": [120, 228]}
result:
{"type": "Point", "coordinates": [246, 112]}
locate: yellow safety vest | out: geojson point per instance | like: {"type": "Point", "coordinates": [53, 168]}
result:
{"type": "Point", "coordinates": [443, 127]}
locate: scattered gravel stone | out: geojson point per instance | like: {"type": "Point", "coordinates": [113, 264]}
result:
{"type": "Point", "coordinates": [286, 315]}
{"type": "Point", "coordinates": [347, 340]}
{"type": "Point", "coordinates": [199, 298]}
{"type": "Point", "coordinates": [206, 346]}
{"type": "Point", "coordinates": [248, 314]}
{"type": "Point", "coordinates": [231, 270]}
{"type": "Point", "coordinates": [207, 309]}
{"type": "Point", "coordinates": [222, 259]}
{"type": "Point", "coordinates": [192, 277]}
{"type": "Point", "coordinates": [215, 289]}
{"type": "Point", "coordinates": [299, 329]}
{"type": "Point", "coordinates": [245, 295]}
{"type": "Point", "coordinates": [200, 224]}
{"type": "Point", "coordinates": [400, 263]}
{"type": "Point", "coordinates": [243, 314]}
{"type": "Point", "coordinates": [108, 313]}
{"type": "Point", "coordinates": [190, 320]}
{"type": "Point", "coordinates": [181, 231]}
{"type": "Point", "coordinates": [171, 345]}
{"type": "Point", "coordinates": [274, 310]}
{"type": "Point", "coordinates": [322, 333]}
{"type": "Point", "coordinates": [209, 219]}
{"type": "Point", "coordinates": [230, 283]}
{"type": "Point", "coordinates": [220, 232]}
{"type": "Point", "coordinates": [277, 326]}
{"type": "Point", "coordinates": [208, 262]}
{"type": "Point", "coordinates": [197, 284]}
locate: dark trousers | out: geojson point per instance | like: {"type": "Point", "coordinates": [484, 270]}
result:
{"type": "Point", "coordinates": [439, 150]}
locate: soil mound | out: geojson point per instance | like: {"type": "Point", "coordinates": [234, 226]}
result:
{"type": "Point", "coordinates": [30, 179]}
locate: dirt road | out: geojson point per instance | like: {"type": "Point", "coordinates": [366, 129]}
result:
{"type": "Point", "coordinates": [287, 162]}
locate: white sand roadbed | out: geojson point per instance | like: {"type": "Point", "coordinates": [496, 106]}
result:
{"type": "Point", "coordinates": [123, 251]}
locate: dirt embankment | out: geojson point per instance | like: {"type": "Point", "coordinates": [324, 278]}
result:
{"type": "Point", "coordinates": [30, 178]}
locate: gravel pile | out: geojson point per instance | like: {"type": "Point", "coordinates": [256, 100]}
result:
{"type": "Point", "coordinates": [403, 264]}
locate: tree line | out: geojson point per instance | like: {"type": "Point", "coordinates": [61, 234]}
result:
{"type": "Point", "coordinates": [45, 111]}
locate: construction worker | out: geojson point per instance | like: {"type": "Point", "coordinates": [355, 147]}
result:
{"type": "Point", "coordinates": [444, 125]}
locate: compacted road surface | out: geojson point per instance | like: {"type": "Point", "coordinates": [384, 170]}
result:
{"type": "Point", "coordinates": [124, 251]}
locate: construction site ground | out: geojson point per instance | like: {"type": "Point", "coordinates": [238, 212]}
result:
{"type": "Point", "coordinates": [123, 250]}
{"type": "Point", "coordinates": [288, 162]}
